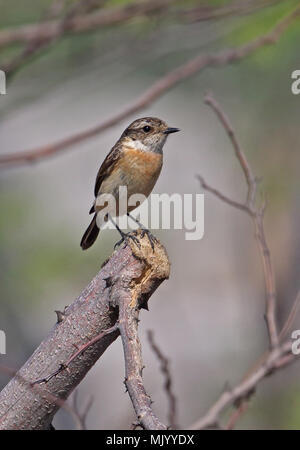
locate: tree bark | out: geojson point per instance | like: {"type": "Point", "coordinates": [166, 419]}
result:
{"type": "Point", "coordinates": [125, 282]}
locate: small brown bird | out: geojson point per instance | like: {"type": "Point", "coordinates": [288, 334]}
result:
{"type": "Point", "coordinates": [135, 161]}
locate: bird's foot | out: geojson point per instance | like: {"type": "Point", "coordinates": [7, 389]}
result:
{"type": "Point", "coordinates": [126, 237]}
{"type": "Point", "coordinates": [152, 239]}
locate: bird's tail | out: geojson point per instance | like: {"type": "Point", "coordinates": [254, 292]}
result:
{"type": "Point", "coordinates": [90, 234]}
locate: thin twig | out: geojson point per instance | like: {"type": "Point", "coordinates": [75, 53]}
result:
{"type": "Point", "coordinates": [168, 385]}
{"type": "Point", "coordinates": [80, 351]}
{"type": "Point", "coordinates": [291, 317]}
{"type": "Point", "coordinates": [82, 415]}
{"type": "Point", "coordinates": [42, 393]}
{"type": "Point", "coordinates": [155, 91]}
{"type": "Point", "coordinates": [244, 390]}
{"type": "Point", "coordinates": [223, 197]}
{"type": "Point", "coordinates": [237, 414]}
{"type": "Point", "coordinates": [257, 214]}
{"type": "Point", "coordinates": [40, 40]}
{"type": "Point", "coordinates": [49, 30]}
{"type": "Point", "coordinates": [39, 37]}
{"type": "Point", "coordinates": [279, 355]}
{"type": "Point", "coordinates": [213, 12]}
{"type": "Point", "coordinates": [282, 335]}
{"type": "Point", "coordinates": [86, 21]}
{"type": "Point", "coordinates": [250, 179]}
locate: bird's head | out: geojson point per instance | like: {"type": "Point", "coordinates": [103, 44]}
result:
{"type": "Point", "coordinates": [148, 133]}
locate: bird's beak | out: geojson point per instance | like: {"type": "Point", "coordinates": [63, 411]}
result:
{"type": "Point", "coordinates": [171, 130]}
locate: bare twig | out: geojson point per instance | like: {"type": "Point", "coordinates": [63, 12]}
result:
{"type": "Point", "coordinates": [285, 361]}
{"type": "Point", "coordinates": [235, 416]}
{"type": "Point", "coordinates": [42, 393]}
{"type": "Point", "coordinates": [257, 214]}
{"type": "Point", "coordinates": [223, 197]}
{"type": "Point", "coordinates": [244, 390]}
{"type": "Point", "coordinates": [83, 22]}
{"type": "Point", "coordinates": [213, 12]}
{"type": "Point", "coordinates": [291, 317]}
{"type": "Point", "coordinates": [250, 179]}
{"type": "Point", "coordinates": [164, 366]}
{"type": "Point", "coordinates": [280, 354]}
{"type": "Point", "coordinates": [80, 351]}
{"type": "Point", "coordinates": [82, 415]}
{"type": "Point", "coordinates": [161, 86]}
{"type": "Point", "coordinates": [114, 298]}
{"type": "Point", "coordinates": [40, 40]}
{"type": "Point", "coordinates": [50, 30]}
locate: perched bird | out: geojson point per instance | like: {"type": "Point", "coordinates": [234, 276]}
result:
{"type": "Point", "coordinates": [135, 161]}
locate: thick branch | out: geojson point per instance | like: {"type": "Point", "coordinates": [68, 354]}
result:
{"type": "Point", "coordinates": [43, 393]}
{"type": "Point", "coordinates": [161, 86]}
{"type": "Point", "coordinates": [156, 268]}
{"type": "Point", "coordinates": [113, 298]}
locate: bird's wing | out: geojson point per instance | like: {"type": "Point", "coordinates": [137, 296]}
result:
{"type": "Point", "coordinates": [105, 170]}
{"type": "Point", "coordinates": [107, 167]}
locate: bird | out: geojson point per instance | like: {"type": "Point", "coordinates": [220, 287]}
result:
{"type": "Point", "coordinates": [135, 161]}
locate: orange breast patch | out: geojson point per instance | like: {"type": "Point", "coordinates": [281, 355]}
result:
{"type": "Point", "coordinates": [140, 169]}
{"type": "Point", "coordinates": [147, 162]}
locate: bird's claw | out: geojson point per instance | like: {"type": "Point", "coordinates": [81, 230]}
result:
{"type": "Point", "coordinates": [126, 238]}
{"type": "Point", "coordinates": [152, 239]}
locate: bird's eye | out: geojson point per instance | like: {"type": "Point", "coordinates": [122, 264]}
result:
{"type": "Point", "coordinates": [147, 129]}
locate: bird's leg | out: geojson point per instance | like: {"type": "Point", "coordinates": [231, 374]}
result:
{"type": "Point", "coordinates": [152, 239]}
{"type": "Point", "coordinates": [125, 237]}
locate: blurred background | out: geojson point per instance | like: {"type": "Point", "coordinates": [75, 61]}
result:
{"type": "Point", "coordinates": [208, 318]}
